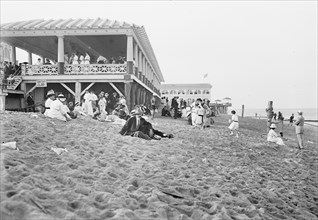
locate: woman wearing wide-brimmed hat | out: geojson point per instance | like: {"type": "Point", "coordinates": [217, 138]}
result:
{"type": "Point", "coordinates": [58, 109]}
{"type": "Point", "coordinates": [273, 137]}
{"type": "Point", "coordinates": [50, 98]}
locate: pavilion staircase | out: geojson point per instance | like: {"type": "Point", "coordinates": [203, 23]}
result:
{"type": "Point", "coordinates": [16, 83]}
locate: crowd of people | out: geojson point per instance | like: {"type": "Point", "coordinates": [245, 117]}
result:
{"type": "Point", "coordinates": [199, 113]}
{"type": "Point", "coordinates": [83, 58]}
{"type": "Point", "coordinates": [96, 107]}
{"type": "Point", "coordinates": [104, 108]}
{"type": "Point", "coordinates": [9, 71]}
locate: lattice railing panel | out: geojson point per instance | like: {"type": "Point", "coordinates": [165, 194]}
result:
{"type": "Point", "coordinates": [95, 69]}
{"type": "Point", "coordinates": [40, 70]}
{"type": "Point", "coordinates": [77, 69]}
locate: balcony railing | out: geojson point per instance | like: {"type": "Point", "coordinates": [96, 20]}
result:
{"type": "Point", "coordinates": [75, 69]}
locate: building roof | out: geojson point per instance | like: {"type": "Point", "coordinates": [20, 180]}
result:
{"type": "Point", "coordinates": [186, 86]}
{"type": "Point", "coordinates": [68, 26]}
{"type": "Point", "coordinates": [65, 24]}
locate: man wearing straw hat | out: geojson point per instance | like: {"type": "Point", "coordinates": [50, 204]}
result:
{"type": "Point", "coordinates": [137, 126]}
{"type": "Point", "coordinates": [299, 123]}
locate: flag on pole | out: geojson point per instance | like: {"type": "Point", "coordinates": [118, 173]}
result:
{"type": "Point", "coordinates": [205, 75]}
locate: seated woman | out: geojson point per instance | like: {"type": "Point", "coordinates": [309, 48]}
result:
{"type": "Point", "coordinates": [137, 126]}
{"type": "Point", "coordinates": [120, 112]}
{"type": "Point", "coordinates": [165, 112]}
{"type": "Point", "coordinates": [71, 110]}
{"type": "Point", "coordinates": [78, 108]}
{"type": "Point", "coordinates": [273, 137]}
{"type": "Point", "coordinates": [58, 109]}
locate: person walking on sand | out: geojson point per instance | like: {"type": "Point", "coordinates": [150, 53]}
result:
{"type": "Point", "coordinates": [291, 120]}
{"type": "Point", "coordinates": [234, 126]}
{"type": "Point", "coordinates": [299, 123]}
{"type": "Point", "coordinates": [281, 122]}
{"type": "Point", "coordinates": [273, 137]}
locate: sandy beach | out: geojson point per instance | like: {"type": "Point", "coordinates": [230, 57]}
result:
{"type": "Point", "coordinates": [196, 175]}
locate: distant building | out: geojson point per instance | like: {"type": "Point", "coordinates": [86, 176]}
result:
{"type": "Point", "coordinates": [188, 92]}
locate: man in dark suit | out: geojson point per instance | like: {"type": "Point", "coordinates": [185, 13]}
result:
{"type": "Point", "coordinates": [175, 106]}
{"type": "Point", "coordinates": [137, 126]}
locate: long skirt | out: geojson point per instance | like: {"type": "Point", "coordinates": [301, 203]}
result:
{"type": "Point", "coordinates": [234, 126]}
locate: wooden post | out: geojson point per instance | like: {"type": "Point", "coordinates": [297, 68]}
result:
{"type": "Point", "coordinates": [22, 100]}
{"type": "Point", "coordinates": [29, 58]}
{"type": "Point", "coordinates": [77, 92]}
{"type": "Point", "coordinates": [14, 55]}
{"type": "Point", "coordinates": [269, 111]}
{"type": "Point", "coordinates": [127, 94]}
{"type": "Point", "coordinates": [60, 54]}
{"type": "Point", "coordinates": [3, 95]}
{"type": "Point", "coordinates": [242, 111]}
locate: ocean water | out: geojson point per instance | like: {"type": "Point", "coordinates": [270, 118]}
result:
{"type": "Point", "coordinates": [308, 113]}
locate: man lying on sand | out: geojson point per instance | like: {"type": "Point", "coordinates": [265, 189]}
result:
{"type": "Point", "coordinates": [137, 126]}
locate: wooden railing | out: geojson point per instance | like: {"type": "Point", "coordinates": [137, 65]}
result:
{"type": "Point", "coordinates": [75, 69]}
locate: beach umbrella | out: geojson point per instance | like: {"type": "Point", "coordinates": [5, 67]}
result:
{"type": "Point", "coordinates": [216, 101]}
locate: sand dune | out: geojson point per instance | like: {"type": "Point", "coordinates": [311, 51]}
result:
{"type": "Point", "coordinates": [196, 175]}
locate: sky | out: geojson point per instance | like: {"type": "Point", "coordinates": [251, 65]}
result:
{"type": "Point", "coordinates": [252, 51]}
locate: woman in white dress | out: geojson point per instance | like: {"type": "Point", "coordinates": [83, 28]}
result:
{"type": "Point", "coordinates": [193, 113]}
{"type": "Point", "coordinates": [87, 59]}
{"type": "Point", "coordinates": [82, 59]}
{"type": "Point", "coordinates": [234, 125]}
{"type": "Point", "coordinates": [88, 104]}
{"type": "Point", "coordinates": [102, 107]}
{"type": "Point", "coordinates": [75, 59]}
{"type": "Point", "coordinates": [50, 98]}
{"type": "Point", "coordinates": [58, 109]}
{"type": "Point", "coordinates": [273, 137]}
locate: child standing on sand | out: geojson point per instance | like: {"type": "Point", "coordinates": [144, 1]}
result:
{"type": "Point", "coordinates": [234, 123]}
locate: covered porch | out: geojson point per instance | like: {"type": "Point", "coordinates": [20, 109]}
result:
{"type": "Point", "coordinates": [133, 65]}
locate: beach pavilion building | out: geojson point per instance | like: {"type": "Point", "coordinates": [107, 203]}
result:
{"type": "Point", "coordinates": [138, 78]}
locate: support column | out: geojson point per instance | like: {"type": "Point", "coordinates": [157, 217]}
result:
{"type": "Point", "coordinates": [133, 95]}
{"type": "Point", "coordinates": [22, 100]}
{"type": "Point", "coordinates": [136, 71]}
{"type": "Point", "coordinates": [127, 94]}
{"type": "Point", "coordinates": [143, 96]}
{"type": "Point", "coordinates": [144, 69]}
{"type": "Point", "coordinates": [138, 95]}
{"type": "Point", "coordinates": [2, 98]}
{"type": "Point", "coordinates": [14, 55]}
{"type": "Point", "coordinates": [136, 55]}
{"type": "Point", "coordinates": [140, 64]}
{"type": "Point", "coordinates": [78, 88]}
{"type": "Point", "coordinates": [130, 54]}
{"type": "Point", "coordinates": [30, 58]}
{"type": "Point", "coordinates": [60, 54]}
